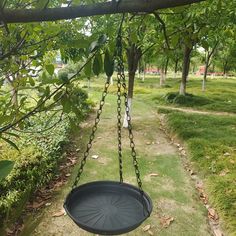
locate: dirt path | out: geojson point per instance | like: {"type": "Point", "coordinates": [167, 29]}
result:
{"type": "Point", "coordinates": [189, 110]}
{"type": "Point", "coordinates": [177, 210]}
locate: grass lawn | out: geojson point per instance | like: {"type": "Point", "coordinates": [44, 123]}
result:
{"type": "Point", "coordinates": [212, 144]}
{"type": "Point", "coordinates": [172, 192]}
{"type": "Point", "coordinates": [219, 95]}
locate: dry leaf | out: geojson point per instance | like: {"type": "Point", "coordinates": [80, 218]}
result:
{"type": "Point", "coordinates": [59, 213]}
{"type": "Point", "coordinates": [226, 154]}
{"type": "Point", "coordinates": [68, 175]}
{"type": "Point", "coordinates": [150, 232]}
{"type": "Point", "coordinates": [218, 232]}
{"type": "Point", "coordinates": [166, 221]}
{"type": "Point", "coordinates": [146, 228]}
{"type": "Point", "coordinates": [153, 175]}
{"type": "Point", "coordinates": [212, 214]}
{"type": "Point", "coordinates": [37, 205]}
{"type": "Point", "coordinates": [148, 143]}
{"type": "Point", "coordinates": [95, 156]}
{"type": "Point", "coordinates": [9, 231]}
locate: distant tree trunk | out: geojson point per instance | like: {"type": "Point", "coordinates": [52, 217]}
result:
{"type": "Point", "coordinates": [225, 64]}
{"type": "Point", "coordinates": [144, 71]}
{"type": "Point", "coordinates": [208, 57]}
{"type": "Point", "coordinates": [185, 70]}
{"type": "Point", "coordinates": [162, 77]}
{"type": "Point", "coordinates": [205, 73]}
{"type": "Point", "coordinates": [176, 67]}
{"type": "Point", "coordinates": [134, 54]}
{"type": "Point", "coordinates": [166, 67]}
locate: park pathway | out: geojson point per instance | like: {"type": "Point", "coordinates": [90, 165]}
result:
{"type": "Point", "coordinates": [177, 210]}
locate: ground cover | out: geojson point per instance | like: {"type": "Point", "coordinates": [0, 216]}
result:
{"type": "Point", "coordinates": [211, 142]}
{"type": "Point", "coordinates": [219, 95]}
{"type": "Point", "coordinates": [177, 209]}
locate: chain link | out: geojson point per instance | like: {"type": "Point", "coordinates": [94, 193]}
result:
{"type": "Point", "coordinates": [121, 78]}
{"type": "Point", "coordinates": [119, 126]}
{"type": "Point", "coordinates": [92, 135]}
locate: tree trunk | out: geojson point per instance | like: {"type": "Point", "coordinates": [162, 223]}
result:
{"type": "Point", "coordinates": [166, 67]}
{"type": "Point", "coordinates": [225, 69]}
{"type": "Point", "coordinates": [162, 78]}
{"type": "Point", "coordinates": [205, 74]}
{"type": "Point", "coordinates": [103, 8]}
{"type": "Point", "coordinates": [111, 80]}
{"type": "Point", "coordinates": [176, 67]}
{"type": "Point", "coordinates": [134, 54]}
{"type": "Point", "coordinates": [185, 70]}
{"type": "Point", "coordinates": [130, 97]}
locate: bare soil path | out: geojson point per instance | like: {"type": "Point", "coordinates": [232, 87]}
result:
{"type": "Point", "coordinates": [177, 210]}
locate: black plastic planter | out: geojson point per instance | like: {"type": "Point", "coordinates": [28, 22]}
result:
{"type": "Point", "coordinates": [107, 207]}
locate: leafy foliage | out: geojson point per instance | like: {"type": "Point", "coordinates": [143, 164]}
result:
{"type": "Point", "coordinates": [5, 168]}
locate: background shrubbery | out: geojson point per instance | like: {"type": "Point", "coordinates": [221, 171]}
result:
{"type": "Point", "coordinates": [36, 162]}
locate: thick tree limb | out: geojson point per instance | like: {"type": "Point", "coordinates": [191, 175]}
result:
{"type": "Point", "coordinates": [53, 14]}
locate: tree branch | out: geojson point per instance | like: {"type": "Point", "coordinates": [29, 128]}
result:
{"type": "Point", "coordinates": [53, 14]}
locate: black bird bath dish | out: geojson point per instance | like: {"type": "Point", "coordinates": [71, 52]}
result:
{"type": "Point", "coordinates": [107, 207]}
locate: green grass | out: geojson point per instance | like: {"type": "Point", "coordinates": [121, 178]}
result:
{"type": "Point", "coordinates": [219, 95]}
{"type": "Point", "coordinates": [171, 191]}
{"type": "Point", "coordinates": [211, 141]}
{"type": "Point", "coordinates": [209, 138]}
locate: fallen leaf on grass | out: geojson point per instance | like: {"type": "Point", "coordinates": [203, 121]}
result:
{"type": "Point", "coordinates": [166, 221]}
{"type": "Point", "coordinates": [148, 143]}
{"type": "Point", "coordinates": [218, 232]}
{"type": "Point", "coordinates": [150, 232]}
{"type": "Point", "coordinates": [212, 214]}
{"type": "Point", "coordinates": [95, 156]}
{"type": "Point", "coordinates": [224, 172]}
{"type": "Point", "coordinates": [204, 197]}
{"type": "Point", "coordinates": [153, 175]}
{"type": "Point", "coordinates": [59, 213]}
{"type": "Point", "coordinates": [226, 154]}
{"type": "Point", "coordinates": [37, 205]}
{"type": "Point", "coordinates": [146, 228]}
{"type": "Point", "coordinates": [9, 231]}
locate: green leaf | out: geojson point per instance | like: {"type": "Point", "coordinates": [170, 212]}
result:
{"type": "Point", "coordinates": [11, 143]}
{"type": "Point", "coordinates": [66, 104]}
{"type": "Point", "coordinates": [6, 167]}
{"type": "Point", "coordinates": [57, 95]}
{"type": "Point", "coordinates": [97, 64]}
{"type": "Point", "coordinates": [50, 69]}
{"type": "Point", "coordinates": [31, 81]}
{"type": "Point", "coordinates": [108, 64]}
{"type": "Point", "coordinates": [88, 69]}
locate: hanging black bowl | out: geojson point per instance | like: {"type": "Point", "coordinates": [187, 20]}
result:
{"type": "Point", "coordinates": [107, 207]}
